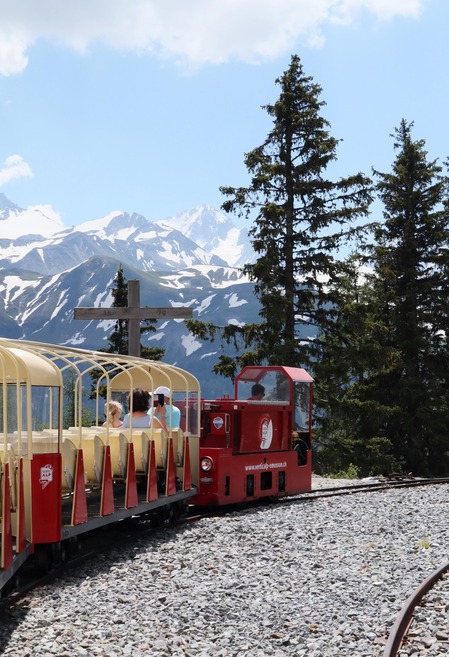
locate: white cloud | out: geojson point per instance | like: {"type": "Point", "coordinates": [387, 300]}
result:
{"type": "Point", "coordinates": [192, 33]}
{"type": "Point", "coordinates": [13, 48]}
{"type": "Point", "coordinates": [15, 167]}
{"type": "Point", "coordinates": [382, 9]}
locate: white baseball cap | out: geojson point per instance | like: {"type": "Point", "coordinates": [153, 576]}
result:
{"type": "Point", "coordinates": [162, 390]}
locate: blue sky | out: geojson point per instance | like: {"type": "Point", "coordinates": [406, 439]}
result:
{"type": "Point", "coordinates": [149, 106]}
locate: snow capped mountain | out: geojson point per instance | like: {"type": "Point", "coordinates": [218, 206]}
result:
{"type": "Point", "coordinates": [213, 230]}
{"type": "Point", "coordinates": [126, 237]}
{"type": "Point", "coordinates": [16, 222]}
{"type": "Point", "coordinates": [189, 260]}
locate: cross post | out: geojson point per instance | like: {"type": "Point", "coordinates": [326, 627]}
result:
{"type": "Point", "coordinates": [134, 314]}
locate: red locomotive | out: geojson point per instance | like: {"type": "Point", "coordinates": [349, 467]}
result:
{"type": "Point", "coordinates": [258, 444]}
{"type": "Point", "coordinates": [61, 478]}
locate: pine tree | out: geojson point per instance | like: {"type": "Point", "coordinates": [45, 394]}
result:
{"type": "Point", "coordinates": [349, 417]}
{"type": "Point", "coordinates": [411, 282]}
{"type": "Point", "coordinates": [383, 375]}
{"type": "Point", "coordinates": [118, 340]}
{"type": "Point", "coordinates": [300, 218]}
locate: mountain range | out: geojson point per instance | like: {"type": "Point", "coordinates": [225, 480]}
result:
{"type": "Point", "coordinates": [190, 260]}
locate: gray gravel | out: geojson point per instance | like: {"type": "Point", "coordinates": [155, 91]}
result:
{"type": "Point", "coordinates": [325, 578]}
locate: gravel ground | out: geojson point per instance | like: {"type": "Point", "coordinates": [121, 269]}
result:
{"type": "Point", "coordinates": [320, 579]}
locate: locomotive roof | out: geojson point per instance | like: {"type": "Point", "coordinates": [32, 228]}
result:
{"type": "Point", "coordinates": [254, 372]}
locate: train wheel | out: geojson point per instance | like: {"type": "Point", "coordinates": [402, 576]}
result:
{"type": "Point", "coordinates": [181, 510]}
{"type": "Point", "coordinates": [43, 560]}
{"type": "Point", "coordinates": [157, 517]}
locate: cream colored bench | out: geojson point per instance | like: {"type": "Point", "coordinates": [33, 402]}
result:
{"type": "Point", "coordinates": [141, 442]}
{"type": "Point", "coordinates": [178, 445]}
{"type": "Point", "coordinates": [69, 451]}
{"type": "Point", "coordinates": [93, 454]}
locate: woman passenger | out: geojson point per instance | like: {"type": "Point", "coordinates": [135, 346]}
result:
{"type": "Point", "coordinates": [141, 401]}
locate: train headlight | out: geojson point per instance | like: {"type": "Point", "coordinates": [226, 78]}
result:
{"type": "Point", "coordinates": [206, 464]}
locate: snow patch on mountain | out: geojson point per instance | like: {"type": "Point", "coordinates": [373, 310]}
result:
{"type": "Point", "coordinates": [62, 301]}
{"type": "Point", "coordinates": [76, 340]}
{"type": "Point", "coordinates": [12, 287]}
{"type": "Point", "coordinates": [16, 222]}
{"type": "Point", "coordinates": [190, 344]}
{"type": "Point", "coordinates": [234, 301]}
{"type": "Point", "coordinates": [157, 337]}
{"type": "Point", "coordinates": [98, 226]}
{"type": "Point", "coordinates": [204, 304]}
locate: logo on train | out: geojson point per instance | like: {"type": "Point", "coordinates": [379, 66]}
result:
{"type": "Point", "coordinates": [218, 422]}
{"type": "Point", "coordinates": [46, 476]}
{"type": "Point", "coordinates": [265, 432]}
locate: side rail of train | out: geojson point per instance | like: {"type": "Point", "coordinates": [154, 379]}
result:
{"type": "Point", "coordinates": [62, 472]}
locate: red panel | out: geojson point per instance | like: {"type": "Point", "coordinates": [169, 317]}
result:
{"type": "Point", "coordinates": [187, 474]}
{"type": "Point", "coordinates": [262, 431]}
{"type": "Point", "coordinates": [79, 509]}
{"type": "Point", "coordinates": [131, 480]}
{"type": "Point", "coordinates": [171, 475]}
{"type": "Point", "coordinates": [7, 553]}
{"type": "Point", "coordinates": [46, 496]}
{"type": "Point", "coordinates": [152, 476]}
{"type": "Point", "coordinates": [232, 472]}
{"type": "Point", "coordinates": [21, 531]}
{"type": "Point", "coordinates": [107, 489]}
{"type": "Point", "coordinates": [217, 424]}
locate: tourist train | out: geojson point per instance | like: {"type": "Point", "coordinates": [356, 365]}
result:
{"type": "Point", "coordinates": [64, 473]}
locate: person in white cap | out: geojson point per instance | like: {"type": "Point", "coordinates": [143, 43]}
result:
{"type": "Point", "coordinates": [170, 413]}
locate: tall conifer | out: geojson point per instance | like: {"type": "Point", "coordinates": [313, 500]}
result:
{"type": "Point", "coordinates": [118, 340]}
{"type": "Point", "coordinates": [300, 218]}
{"type": "Point", "coordinates": [411, 282]}
{"type": "Point", "coordinates": [383, 377]}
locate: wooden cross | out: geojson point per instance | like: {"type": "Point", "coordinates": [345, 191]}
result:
{"type": "Point", "coordinates": [134, 314]}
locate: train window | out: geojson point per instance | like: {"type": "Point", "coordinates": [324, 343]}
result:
{"type": "Point", "coordinates": [275, 383]}
{"type": "Point", "coordinates": [30, 414]}
{"type": "Point", "coordinates": [189, 413]}
{"type": "Point", "coordinates": [44, 408]}
{"type": "Point", "coordinates": [302, 406]}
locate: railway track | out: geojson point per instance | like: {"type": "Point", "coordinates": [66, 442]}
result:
{"type": "Point", "coordinates": [418, 624]}
{"type": "Point", "coordinates": [351, 489]}
{"type": "Point", "coordinates": [415, 628]}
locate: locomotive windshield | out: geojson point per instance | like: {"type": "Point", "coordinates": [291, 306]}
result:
{"type": "Point", "coordinates": [275, 385]}
{"type": "Point", "coordinates": [285, 385]}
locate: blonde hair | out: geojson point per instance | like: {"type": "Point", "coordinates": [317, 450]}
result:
{"type": "Point", "coordinates": [114, 408]}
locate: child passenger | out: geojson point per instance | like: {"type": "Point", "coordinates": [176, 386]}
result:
{"type": "Point", "coordinates": [113, 412]}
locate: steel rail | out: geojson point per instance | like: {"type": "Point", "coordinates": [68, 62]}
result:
{"type": "Point", "coordinates": [350, 489]}
{"type": "Point", "coordinates": [405, 616]}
